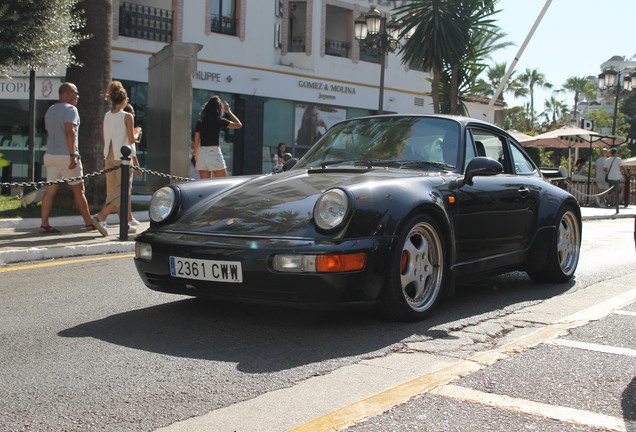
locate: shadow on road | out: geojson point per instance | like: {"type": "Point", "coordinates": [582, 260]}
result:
{"type": "Point", "coordinates": [263, 339]}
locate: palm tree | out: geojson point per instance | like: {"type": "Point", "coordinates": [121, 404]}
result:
{"type": "Point", "coordinates": [579, 86]}
{"type": "Point", "coordinates": [481, 45]}
{"type": "Point", "coordinates": [92, 79]}
{"type": "Point", "coordinates": [495, 74]}
{"type": "Point", "coordinates": [441, 34]}
{"type": "Point", "coordinates": [532, 78]}
{"type": "Point", "coordinates": [555, 110]}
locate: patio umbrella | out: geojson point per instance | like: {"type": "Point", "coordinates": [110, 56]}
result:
{"type": "Point", "coordinates": [629, 162]}
{"type": "Point", "coordinates": [520, 137]}
{"type": "Point", "coordinates": [574, 137]}
{"type": "Point", "coordinates": [565, 137]}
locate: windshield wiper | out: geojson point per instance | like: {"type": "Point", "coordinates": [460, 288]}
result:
{"type": "Point", "coordinates": [421, 164]}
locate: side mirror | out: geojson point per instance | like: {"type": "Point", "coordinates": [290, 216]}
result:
{"type": "Point", "coordinates": [289, 164]}
{"type": "Point", "coordinates": [481, 166]}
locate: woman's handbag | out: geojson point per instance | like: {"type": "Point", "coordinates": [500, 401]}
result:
{"type": "Point", "coordinates": [608, 170]}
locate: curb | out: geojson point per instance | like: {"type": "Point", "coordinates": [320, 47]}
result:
{"type": "Point", "coordinates": [38, 254]}
{"type": "Point", "coordinates": [113, 219]}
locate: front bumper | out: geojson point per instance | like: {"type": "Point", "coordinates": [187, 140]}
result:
{"type": "Point", "coordinates": [261, 284]}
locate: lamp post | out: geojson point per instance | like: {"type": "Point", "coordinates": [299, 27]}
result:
{"type": "Point", "coordinates": [611, 81]}
{"type": "Point", "coordinates": [378, 36]}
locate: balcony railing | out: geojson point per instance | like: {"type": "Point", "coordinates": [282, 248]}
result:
{"type": "Point", "coordinates": [145, 22]}
{"type": "Point", "coordinates": [223, 24]}
{"type": "Point", "coordinates": [298, 44]}
{"type": "Point", "coordinates": [369, 56]}
{"type": "Point", "coordinates": [337, 48]}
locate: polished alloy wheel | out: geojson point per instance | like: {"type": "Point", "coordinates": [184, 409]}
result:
{"type": "Point", "coordinates": [421, 267]}
{"type": "Point", "coordinates": [568, 243]}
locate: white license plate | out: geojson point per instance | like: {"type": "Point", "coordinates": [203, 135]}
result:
{"type": "Point", "coordinates": [210, 270]}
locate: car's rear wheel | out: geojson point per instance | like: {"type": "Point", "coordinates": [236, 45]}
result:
{"type": "Point", "coordinates": [564, 251]}
{"type": "Point", "coordinates": [417, 271]}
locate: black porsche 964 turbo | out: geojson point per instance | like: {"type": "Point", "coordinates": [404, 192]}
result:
{"type": "Point", "coordinates": [388, 212]}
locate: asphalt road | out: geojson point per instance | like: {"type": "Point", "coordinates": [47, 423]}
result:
{"type": "Point", "coordinates": [85, 346]}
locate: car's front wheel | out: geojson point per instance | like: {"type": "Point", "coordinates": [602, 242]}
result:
{"type": "Point", "coordinates": [563, 252]}
{"type": "Point", "coordinates": [417, 271]}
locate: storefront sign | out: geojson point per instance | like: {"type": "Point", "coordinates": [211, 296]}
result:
{"type": "Point", "coordinates": [336, 88]}
{"type": "Point", "coordinates": [208, 76]}
{"type": "Point", "coordinates": [18, 88]}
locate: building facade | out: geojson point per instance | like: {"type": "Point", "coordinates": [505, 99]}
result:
{"type": "Point", "coordinates": [606, 100]}
{"type": "Point", "coordinates": [277, 62]}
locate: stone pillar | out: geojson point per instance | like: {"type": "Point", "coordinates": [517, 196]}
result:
{"type": "Point", "coordinates": [170, 73]}
{"type": "Point", "coordinates": [248, 144]}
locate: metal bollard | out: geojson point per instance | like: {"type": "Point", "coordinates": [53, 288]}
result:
{"type": "Point", "coordinates": [125, 186]}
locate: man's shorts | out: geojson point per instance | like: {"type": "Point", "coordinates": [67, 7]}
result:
{"type": "Point", "coordinates": [57, 168]}
{"type": "Point", "coordinates": [210, 159]}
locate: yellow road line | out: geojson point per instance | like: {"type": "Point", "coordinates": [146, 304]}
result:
{"type": "Point", "coordinates": [377, 404]}
{"type": "Point", "coordinates": [523, 406]}
{"type": "Point", "coordinates": [56, 263]}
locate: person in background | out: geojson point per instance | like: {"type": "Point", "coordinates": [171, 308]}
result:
{"type": "Point", "coordinates": [278, 156]}
{"type": "Point", "coordinates": [118, 131]}
{"type": "Point", "coordinates": [207, 148]}
{"type": "Point", "coordinates": [579, 166]}
{"type": "Point", "coordinates": [615, 171]}
{"type": "Point", "coordinates": [62, 159]}
{"type": "Point", "coordinates": [599, 166]}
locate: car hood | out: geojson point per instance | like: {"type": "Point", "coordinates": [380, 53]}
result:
{"type": "Point", "coordinates": [282, 204]}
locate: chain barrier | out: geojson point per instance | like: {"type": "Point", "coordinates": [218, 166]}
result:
{"type": "Point", "coordinates": [62, 181]}
{"type": "Point", "coordinates": [583, 194]}
{"type": "Point", "coordinates": [40, 184]}
{"type": "Point", "coordinates": [158, 174]}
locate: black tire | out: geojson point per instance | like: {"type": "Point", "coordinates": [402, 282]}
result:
{"type": "Point", "coordinates": [564, 251]}
{"type": "Point", "coordinates": [417, 271]}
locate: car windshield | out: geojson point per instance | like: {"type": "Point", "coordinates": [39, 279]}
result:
{"type": "Point", "coordinates": [393, 141]}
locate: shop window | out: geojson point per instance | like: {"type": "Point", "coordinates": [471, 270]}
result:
{"type": "Point", "coordinates": [337, 37]}
{"type": "Point", "coordinates": [297, 26]}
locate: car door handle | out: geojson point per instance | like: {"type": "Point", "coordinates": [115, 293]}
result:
{"type": "Point", "coordinates": [523, 191]}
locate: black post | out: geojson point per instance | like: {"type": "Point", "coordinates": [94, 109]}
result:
{"type": "Point", "coordinates": [618, 93]}
{"type": "Point", "coordinates": [381, 96]}
{"type": "Point", "coordinates": [6, 178]}
{"type": "Point", "coordinates": [31, 141]}
{"type": "Point", "coordinates": [125, 186]}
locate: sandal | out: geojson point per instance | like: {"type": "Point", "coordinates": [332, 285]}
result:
{"type": "Point", "coordinates": [48, 230]}
{"type": "Point", "coordinates": [100, 226]}
{"type": "Point", "coordinates": [90, 227]}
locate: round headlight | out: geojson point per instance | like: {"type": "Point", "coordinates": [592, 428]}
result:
{"type": "Point", "coordinates": [162, 204]}
{"type": "Point", "coordinates": [331, 209]}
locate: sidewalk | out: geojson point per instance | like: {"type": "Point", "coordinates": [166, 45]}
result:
{"type": "Point", "coordinates": [20, 240]}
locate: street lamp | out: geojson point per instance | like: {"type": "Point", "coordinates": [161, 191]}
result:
{"type": "Point", "coordinates": [378, 37]}
{"type": "Point", "coordinates": [610, 80]}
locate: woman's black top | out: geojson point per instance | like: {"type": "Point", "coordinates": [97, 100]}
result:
{"type": "Point", "coordinates": [210, 131]}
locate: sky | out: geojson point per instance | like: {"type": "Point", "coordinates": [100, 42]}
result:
{"type": "Point", "coordinates": [573, 39]}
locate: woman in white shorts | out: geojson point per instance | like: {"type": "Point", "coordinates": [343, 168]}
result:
{"type": "Point", "coordinates": [207, 149]}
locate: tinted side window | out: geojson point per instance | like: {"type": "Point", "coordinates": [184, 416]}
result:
{"type": "Point", "coordinates": [490, 145]}
{"type": "Point", "coordinates": [520, 162]}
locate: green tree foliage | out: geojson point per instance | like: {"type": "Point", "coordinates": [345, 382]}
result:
{"type": "Point", "coordinates": [628, 109]}
{"type": "Point", "coordinates": [556, 113]}
{"type": "Point", "coordinates": [443, 33]}
{"type": "Point", "coordinates": [532, 79]}
{"type": "Point", "coordinates": [37, 34]}
{"type": "Point", "coordinates": [517, 118]}
{"type": "Point", "coordinates": [580, 87]}
{"type": "Point", "coordinates": [494, 75]}
{"type": "Point", "coordinates": [482, 43]}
